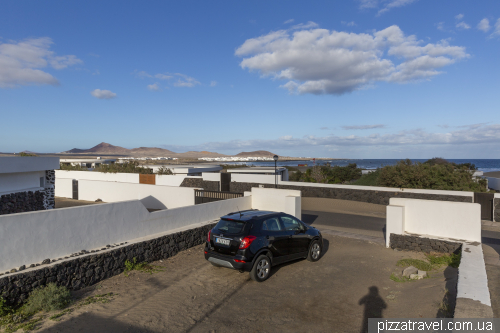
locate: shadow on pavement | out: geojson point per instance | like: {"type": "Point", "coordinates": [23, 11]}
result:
{"type": "Point", "coordinates": [309, 218]}
{"type": "Point", "coordinates": [374, 306]}
{"type": "Point", "coordinates": [275, 269]}
{"type": "Point", "coordinates": [447, 306]}
{"type": "Point", "coordinates": [99, 324]}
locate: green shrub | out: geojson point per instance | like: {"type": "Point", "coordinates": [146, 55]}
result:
{"type": "Point", "coordinates": [406, 174]}
{"type": "Point", "coordinates": [4, 308]}
{"type": "Point", "coordinates": [328, 175]}
{"type": "Point", "coordinates": [127, 167]}
{"type": "Point", "coordinates": [370, 179]}
{"type": "Point", "coordinates": [452, 260]}
{"type": "Point", "coordinates": [48, 298]}
{"type": "Point", "coordinates": [164, 171]}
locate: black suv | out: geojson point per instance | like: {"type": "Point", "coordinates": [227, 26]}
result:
{"type": "Point", "coordinates": [253, 241]}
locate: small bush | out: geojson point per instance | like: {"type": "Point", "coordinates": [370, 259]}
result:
{"type": "Point", "coordinates": [48, 298]}
{"type": "Point", "coordinates": [4, 308]}
{"type": "Point", "coordinates": [418, 264]}
{"type": "Point", "coordinates": [164, 171]}
{"type": "Point", "coordinates": [452, 260]}
{"type": "Point", "coordinates": [370, 179]}
{"type": "Point", "coordinates": [141, 266]}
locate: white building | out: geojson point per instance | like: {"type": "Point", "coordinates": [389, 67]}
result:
{"type": "Point", "coordinates": [282, 173]}
{"type": "Point", "coordinates": [88, 162]}
{"type": "Point", "coordinates": [186, 169]}
{"type": "Point", "coordinates": [27, 183]}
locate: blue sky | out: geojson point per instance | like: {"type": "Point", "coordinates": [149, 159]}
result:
{"type": "Point", "coordinates": [349, 79]}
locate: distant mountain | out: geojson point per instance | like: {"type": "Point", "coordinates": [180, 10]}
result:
{"type": "Point", "coordinates": [257, 153]}
{"type": "Point", "coordinates": [108, 149]}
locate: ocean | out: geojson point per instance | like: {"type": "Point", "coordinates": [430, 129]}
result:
{"type": "Point", "coordinates": [482, 165]}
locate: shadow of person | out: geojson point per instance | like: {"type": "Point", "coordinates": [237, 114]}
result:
{"type": "Point", "coordinates": [374, 305]}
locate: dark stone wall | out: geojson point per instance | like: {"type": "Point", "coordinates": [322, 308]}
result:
{"type": "Point", "coordinates": [85, 271]}
{"type": "Point", "coordinates": [49, 191]}
{"type": "Point", "coordinates": [370, 196]}
{"type": "Point", "coordinates": [199, 182]}
{"type": "Point", "coordinates": [496, 211]}
{"type": "Point", "coordinates": [420, 244]}
{"type": "Point", "coordinates": [21, 202]}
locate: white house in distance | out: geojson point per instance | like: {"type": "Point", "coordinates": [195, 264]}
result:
{"type": "Point", "coordinates": [87, 162]}
{"type": "Point", "coordinates": [27, 183]}
{"type": "Point", "coordinates": [186, 169]}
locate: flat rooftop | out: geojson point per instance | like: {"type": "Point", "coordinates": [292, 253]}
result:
{"type": "Point", "coordinates": [13, 164]}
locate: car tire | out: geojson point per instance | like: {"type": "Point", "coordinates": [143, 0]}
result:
{"type": "Point", "coordinates": [314, 251]}
{"type": "Point", "coordinates": [261, 269]}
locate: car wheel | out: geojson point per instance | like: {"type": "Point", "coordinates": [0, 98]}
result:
{"type": "Point", "coordinates": [261, 269]}
{"type": "Point", "coordinates": [314, 251]}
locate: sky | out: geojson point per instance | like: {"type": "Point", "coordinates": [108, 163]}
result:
{"type": "Point", "coordinates": [341, 79]}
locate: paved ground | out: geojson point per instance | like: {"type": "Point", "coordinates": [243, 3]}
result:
{"type": "Point", "coordinates": [495, 174]}
{"type": "Point", "coordinates": [66, 202]}
{"type": "Point", "coordinates": [343, 206]}
{"type": "Point", "coordinates": [347, 285]}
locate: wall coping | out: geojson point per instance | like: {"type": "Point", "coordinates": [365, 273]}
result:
{"type": "Point", "coordinates": [377, 188]}
{"type": "Point", "coordinates": [16, 164]}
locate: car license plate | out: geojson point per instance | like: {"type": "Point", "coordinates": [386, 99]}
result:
{"type": "Point", "coordinates": [222, 241]}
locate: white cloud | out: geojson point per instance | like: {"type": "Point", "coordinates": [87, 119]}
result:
{"type": "Point", "coordinates": [182, 79]}
{"type": "Point", "coordinates": [394, 4]}
{"type": "Point", "coordinates": [288, 21]}
{"type": "Point", "coordinates": [462, 25]}
{"type": "Point", "coordinates": [496, 32]}
{"type": "Point", "coordinates": [459, 16]}
{"type": "Point", "coordinates": [364, 4]}
{"type": "Point", "coordinates": [440, 26]}
{"type": "Point", "coordinates": [484, 25]}
{"type": "Point", "coordinates": [103, 94]}
{"type": "Point", "coordinates": [185, 81]}
{"type": "Point", "coordinates": [163, 76]}
{"type": "Point", "coordinates": [154, 87]}
{"type": "Point", "coordinates": [21, 62]}
{"type": "Point", "coordinates": [302, 26]}
{"type": "Point", "coordinates": [363, 127]}
{"type": "Point", "coordinates": [349, 24]}
{"type": "Point", "coordinates": [319, 61]}
{"type": "Point", "coordinates": [213, 83]}
{"type": "Point", "coordinates": [471, 134]}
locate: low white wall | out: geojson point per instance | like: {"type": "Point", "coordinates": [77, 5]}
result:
{"type": "Point", "coordinates": [253, 178]}
{"type": "Point", "coordinates": [102, 176]}
{"type": "Point", "coordinates": [442, 219]}
{"type": "Point", "coordinates": [19, 181]}
{"type": "Point", "coordinates": [277, 200]}
{"type": "Point", "coordinates": [493, 183]}
{"type": "Point", "coordinates": [395, 222]}
{"type": "Point", "coordinates": [170, 180]}
{"type": "Point", "coordinates": [212, 176]}
{"type": "Point", "coordinates": [152, 196]}
{"type": "Point", "coordinates": [64, 187]}
{"type": "Point", "coordinates": [31, 237]}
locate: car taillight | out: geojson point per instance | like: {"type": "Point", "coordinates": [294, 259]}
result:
{"type": "Point", "coordinates": [208, 238]}
{"type": "Point", "coordinates": [245, 242]}
{"type": "Point", "coordinates": [237, 260]}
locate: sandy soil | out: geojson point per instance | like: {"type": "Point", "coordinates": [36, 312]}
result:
{"type": "Point", "coordinates": [337, 293]}
{"type": "Point", "coordinates": [66, 202]}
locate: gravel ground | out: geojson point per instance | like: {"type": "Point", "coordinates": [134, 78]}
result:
{"type": "Point", "coordinates": [349, 284]}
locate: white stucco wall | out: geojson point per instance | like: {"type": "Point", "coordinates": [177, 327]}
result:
{"type": "Point", "coordinates": [493, 183]}
{"type": "Point", "coordinates": [152, 196]}
{"type": "Point", "coordinates": [253, 178]}
{"type": "Point", "coordinates": [170, 180]}
{"type": "Point", "coordinates": [15, 164]}
{"type": "Point", "coordinates": [395, 222]}
{"type": "Point", "coordinates": [102, 176]}
{"type": "Point", "coordinates": [20, 181]}
{"type": "Point", "coordinates": [457, 220]}
{"type": "Point", "coordinates": [31, 237]}
{"type": "Point", "coordinates": [212, 176]}
{"type": "Point", "coordinates": [64, 187]}
{"type": "Point", "coordinates": [276, 200]}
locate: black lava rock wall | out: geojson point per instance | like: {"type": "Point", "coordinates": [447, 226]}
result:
{"type": "Point", "coordinates": [50, 181]}
{"type": "Point", "coordinates": [420, 244]}
{"type": "Point", "coordinates": [21, 202]}
{"type": "Point", "coordinates": [370, 196]}
{"type": "Point", "coordinates": [91, 268]}
{"type": "Point", "coordinates": [208, 185]}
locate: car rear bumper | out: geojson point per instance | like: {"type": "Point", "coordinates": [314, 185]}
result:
{"type": "Point", "coordinates": [227, 261]}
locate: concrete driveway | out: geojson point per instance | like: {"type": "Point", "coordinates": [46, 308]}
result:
{"type": "Point", "coordinates": [347, 285]}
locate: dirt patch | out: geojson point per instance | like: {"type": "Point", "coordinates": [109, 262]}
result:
{"type": "Point", "coordinates": [350, 283]}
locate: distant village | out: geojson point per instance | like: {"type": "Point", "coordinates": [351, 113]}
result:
{"type": "Point", "coordinates": [208, 159]}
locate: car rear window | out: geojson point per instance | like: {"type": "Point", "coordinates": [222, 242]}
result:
{"type": "Point", "coordinates": [230, 226]}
